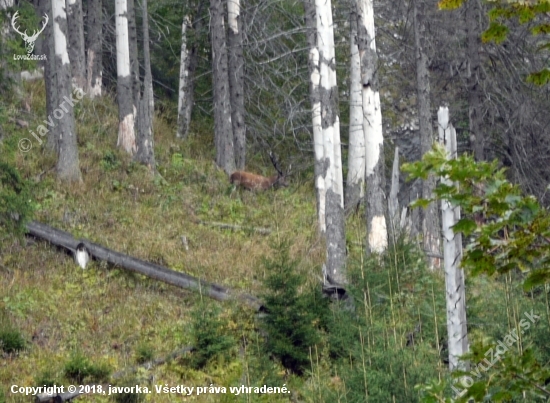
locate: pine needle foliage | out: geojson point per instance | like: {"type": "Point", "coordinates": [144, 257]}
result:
{"type": "Point", "coordinates": [11, 340]}
{"type": "Point", "coordinates": [292, 321]}
{"type": "Point", "coordinates": [15, 206]}
{"type": "Point", "coordinates": [210, 339]}
{"type": "Point", "coordinates": [80, 369]}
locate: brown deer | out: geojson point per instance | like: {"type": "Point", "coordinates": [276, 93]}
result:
{"type": "Point", "coordinates": [252, 181]}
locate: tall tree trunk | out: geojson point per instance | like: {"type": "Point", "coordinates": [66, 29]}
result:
{"type": "Point", "coordinates": [474, 78]}
{"type": "Point", "coordinates": [134, 53]}
{"type": "Point", "coordinates": [377, 233]}
{"type": "Point", "coordinates": [430, 229]}
{"type": "Point", "coordinates": [183, 92]}
{"type": "Point", "coordinates": [68, 168]}
{"type": "Point", "coordinates": [454, 275]}
{"type": "Point", "coordinates": [184, 112]}
{"type": "Point", "coordinates": [145, 144]}
{"type": "Point", "coordinates": [355, 189]}
{"type": "Point", "coordinates": [314, 81]}
{"type": "Point", "coordinates": [50, 80]}
{"type": "Point", "coordinates": [76, 43]}
{"type": "Point", "coordinates": [126, 134]}
{"type": "Point", "coordinates": [236, 80]}
{"type": "Point", "coordinates": [330, 124]}
{"type": "Point", "coordinates": [94, 43]}
{"type": "Point", "coordinates": [223, 131]}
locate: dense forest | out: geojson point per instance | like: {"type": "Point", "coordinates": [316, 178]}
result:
{"type": "Point", "coordinates": [265, 201]}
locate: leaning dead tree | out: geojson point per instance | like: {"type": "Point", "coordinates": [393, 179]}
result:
{"type": "Point", "coordinates": [155, 271]}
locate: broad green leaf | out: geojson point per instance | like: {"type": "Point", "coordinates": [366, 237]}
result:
{"type": "Point", "coordinates": [465, 225]}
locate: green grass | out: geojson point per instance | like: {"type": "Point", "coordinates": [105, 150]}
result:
{"type": "Point", "coordinates": [114, 317]}
{"type": "Point", "coordinates": [77, 325]}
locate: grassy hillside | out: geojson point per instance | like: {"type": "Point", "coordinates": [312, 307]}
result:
{"type": "Point", "coordinates": [105, 313]}
{"type": "Point", "coordinates": [82, 325]}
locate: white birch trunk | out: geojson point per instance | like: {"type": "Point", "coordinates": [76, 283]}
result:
{"type": "Point", "coordinates": [183, 123]}
{"type": "Point", "coordinates": [452, 253]}
{"type": "Point", "coordinates": [126, 134]}
{"type": "Point", "coordinates": [330, 125]}
{"type": "Point", "coordinates": [377, 232]}
{"type": "Point", "coordinates": [355, 190]}
{"type": "Point", "coordinates": [318, 138]}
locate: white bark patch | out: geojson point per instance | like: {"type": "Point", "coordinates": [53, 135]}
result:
{"type": "Point", "coordinates": [338, 181]}
{"type": "Point", "coordinates": [126, 137]}
{"type": "Point", "coordinates": [123, 55]}
{"type": "Point", "coordinates": [92, 85]}
{"type": "Point", "coordinates": [372, 127]}
{"type": "Point", "coordinates": [95, 90]}
{"type": "Point", "coordinates": [366, 10]}
{"type": "Point", "coordinates": [315, 76]}
{"type": "Point", "coordinates": [58, 11]}
{"type": "Point", "coordinates": [356, 159]}
{"type": "Point", "coordinates": [233, 12]}
{"type": "Point", "coordinates": [378, 239]}
{"type": "Point", "coordinates": [331, 129]}
{"type": "Point", "coordinates": [443, 118]}
{"type": "Point", "coordinates": [184, 72]}
{"type": "Point", "coordinates": [321, 188]}
{"type": "Point", "coordinates": [318, 137]}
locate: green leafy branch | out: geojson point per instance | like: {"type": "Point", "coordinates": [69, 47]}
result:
{"type": "Point", "coordinates": [506, 230]}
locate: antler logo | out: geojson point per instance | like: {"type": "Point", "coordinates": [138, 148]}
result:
{"type": "Point", "coordinates": [29, 40]}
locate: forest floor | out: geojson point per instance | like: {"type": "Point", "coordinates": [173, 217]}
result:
{"type": "Point", "coordinates": [107, 319]}
{"type": "Point", "coordinates": [107, 314]}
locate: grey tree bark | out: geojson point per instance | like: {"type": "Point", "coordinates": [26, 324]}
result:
{"type": "Point", "coordinates": [236, 80]}
{"type": "Point", "coordinates": [50, 79]}
{"type": "Point", "coordinates": [94, 41]}
{"type": "Point", "coordinates": [76, 43]}
{"type": "Point", "coordinates": [186, 96]}
{"type": "Point", "coordinates": [183, 93]}
{"type": "Point", "coordinates": [68, 168]}
{"type": "Point", "coordinates": [396, 219]}
{"type": "Point", "coordinates": [145, 143]}
{"type": "Point", "coordinates": [430, 225]}
{"type": "Point", "coordinates": [134, 53]}
{"type": "Point", "coordinates": [332, 160]}
{"type": "Point", "coordinates": [377, 233]}
{"type": "Point", "coordinates": [223, 131]}
{"type": "Point", "coordinates": [474, 78]}
{"type": "Point", "coordinates": [126, 134]}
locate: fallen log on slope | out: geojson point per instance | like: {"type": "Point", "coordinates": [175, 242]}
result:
{"type": "Point", "coordinates": [152, 270]}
